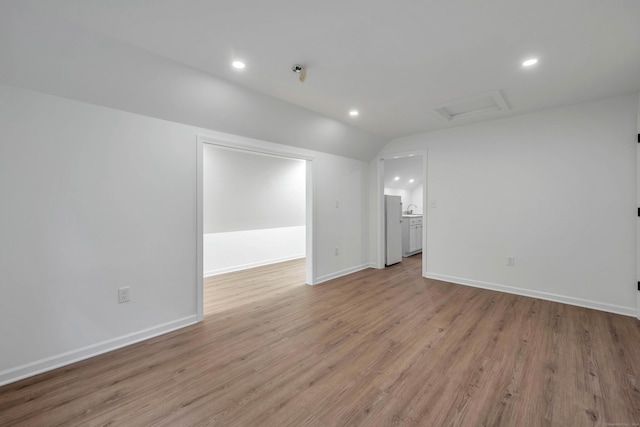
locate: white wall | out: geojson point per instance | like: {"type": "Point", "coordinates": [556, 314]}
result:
{"type": "Point", "coordinates": [239, 250]}
{"type": "Point", "coordinates": [249, 191]}
{"type": "Point", "coordinates": [94, 199]}
{"type": "Point", "coordinates": [555, 189]}
{"type": "Point", "coordinates": [341, 193]}
{"type": "Point", "coordinates": [417, 198]}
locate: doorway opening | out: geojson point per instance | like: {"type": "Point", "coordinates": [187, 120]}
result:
{"type": "Point", "coordinates": [255, 212]}
{"type": "Point", "coordinates": [403, 207]}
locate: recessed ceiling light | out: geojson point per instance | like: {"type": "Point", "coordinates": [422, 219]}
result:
{"type": "Point", "coordinates": [411, 181]}
{"type": "Point", "coordinates": [396, 178]}
{"type": "Point", "coordinates": [353, 113]}
{"type": "Point", "coordinates": [238, 64]}
{"type": "Point", "coordinates": [530, 62]}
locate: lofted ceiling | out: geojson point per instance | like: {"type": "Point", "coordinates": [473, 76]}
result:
{"type": "Point", "coordinates": [395, 62]}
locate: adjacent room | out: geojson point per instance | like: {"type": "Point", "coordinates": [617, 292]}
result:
{"type": "Point", "coordinates": [253, 209]}
{"type": "Point", "coordinates": [249, 213]}
{"type": "Point", "coordinates": [254, 214]}
{"type": "Point", "coordinates": [404, 194]}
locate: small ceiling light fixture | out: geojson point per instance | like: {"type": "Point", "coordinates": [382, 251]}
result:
{"type": "Point", "coordinates": [238, 65]}
{"type": "Point", "coordinates": [411, 181]}
{"type": "Point", "coordinates": [353, 113]}
{"type": "Point", "coordinates": [300, 70]}
{"type": "Point", "coordinates": [530, 62]}
{"type": "Point", "coordinates": [396, 178]}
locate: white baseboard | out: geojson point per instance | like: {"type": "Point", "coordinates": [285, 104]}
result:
{"type": "Point", "coordinates": [251, 265]}
{"type": "Point", "coordinates": [54, 362]}
{"type": "Point", "coordinates": [617, 309]}
{"type": "Point", "coordinates": [341, 273]}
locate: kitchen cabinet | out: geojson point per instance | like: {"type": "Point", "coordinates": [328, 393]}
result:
{"type": "Point", "coordinates": [411, 234]}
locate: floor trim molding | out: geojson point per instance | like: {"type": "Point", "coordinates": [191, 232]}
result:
{"type": "Point", "coordinates": [626, 311]}
{"type": "Point", "coordinates": [233, 268]}
{"type": "Point", "coordinates": [341, 273]}
{"type": "Point", "coordinates": [67, 358]}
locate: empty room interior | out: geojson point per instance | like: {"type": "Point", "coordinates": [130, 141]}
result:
{"type": "Point", "coordinates": [246, 213]}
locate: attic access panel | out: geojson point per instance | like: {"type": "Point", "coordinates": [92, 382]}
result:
{"type": "Point", "coordinates": [471, 106]}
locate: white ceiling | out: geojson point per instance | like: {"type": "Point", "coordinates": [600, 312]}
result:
{"type": "Point", "coordinates": [393, 61]}
{"type": "Point", "coordinates": [406, 169]}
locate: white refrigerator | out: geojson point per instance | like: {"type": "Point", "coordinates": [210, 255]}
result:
{"type": "Point", "coordinates": [393, 229]}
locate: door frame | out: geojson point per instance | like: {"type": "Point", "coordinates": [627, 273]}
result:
{"type": "Point", "coordinates": [638, 221]}
{"type": "Point", "coordinates": [381, 243]}
{"type": "Point", "coordinates": [258, 147]}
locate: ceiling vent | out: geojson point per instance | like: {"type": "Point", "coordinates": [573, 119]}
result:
{"type": "Point", "coordinates": [474, 105]}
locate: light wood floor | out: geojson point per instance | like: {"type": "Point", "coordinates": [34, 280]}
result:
{"type": "Point", "coordinates": [374, 348]}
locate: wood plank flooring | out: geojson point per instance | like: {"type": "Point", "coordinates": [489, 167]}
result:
{"type": "Point", "coordinates": [375, 348]}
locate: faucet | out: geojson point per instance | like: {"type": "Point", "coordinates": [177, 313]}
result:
{"type": "Point", "coordinates": [410, 211]}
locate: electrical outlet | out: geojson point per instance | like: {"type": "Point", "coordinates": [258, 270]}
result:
{"type": "Point", "coordinates": [337, 203]}
{"type": "Point", "coordinates": [337, 252]}
{"type": "Point", "coordinates": [511, 261]}
{"type": "Point", "coordinates": [123, 295]}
